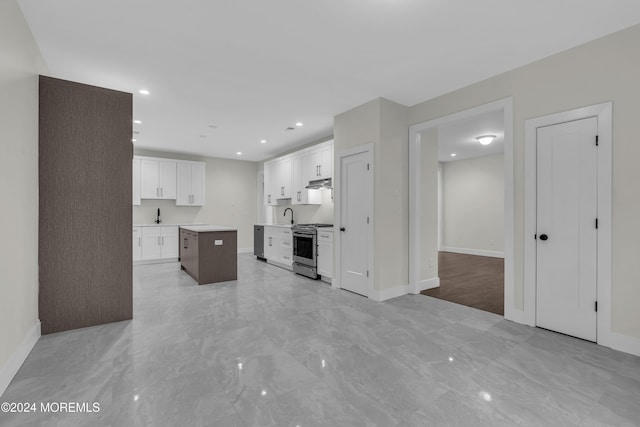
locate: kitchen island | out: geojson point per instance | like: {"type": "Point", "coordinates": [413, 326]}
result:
{"type": "Point", "coordinates": [209, 253]}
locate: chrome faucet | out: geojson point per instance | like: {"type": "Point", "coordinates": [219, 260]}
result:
{"type": "Point", "coordinates": [285, 214]}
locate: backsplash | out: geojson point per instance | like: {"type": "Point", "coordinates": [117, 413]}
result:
{"type": "Point", "coordinates": [307, 214]}
{"type": "Point", "coordinates": [169, 212]}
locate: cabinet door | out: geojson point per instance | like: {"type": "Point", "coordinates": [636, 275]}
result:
{"type": "Point", "coordinates": [137, 244]}
{"type": "Point", "coordinates": [197, 184]}
{"type": "Point", "coordinates": [325, 254]}
{"type": "Point", "coordinates": [136, 182]}
{"type": "Point", "coordinates": [151, 243]}
{"type": "Point", "coordinates": [149, 176]}
{"type": "Point", "coordinates": [298, 173]}
{"type": "Point", "coordinates": [269, 184]}
{"type": "Point", "coordinates": [167, 179]}
{"type": "Point", "coordinates": [183, 186]}
{"type": "Point", "coordinates": [270, 244]}
{"type": "Point", "coordinates": [284, 179]}
{"type": "Point", "coordinates": [326, 162]}
{"type": "Point", "coordinates": [169, 242]}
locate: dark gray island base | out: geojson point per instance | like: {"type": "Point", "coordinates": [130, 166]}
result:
{"type": "Point", "coordinates": [209, 253]}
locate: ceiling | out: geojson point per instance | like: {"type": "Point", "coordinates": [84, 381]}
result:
{"type": "Point", "coordinates": [225, 74]}
{"type": "Point", "coordinates": [459, 137]}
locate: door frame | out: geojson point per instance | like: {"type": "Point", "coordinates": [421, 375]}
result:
{"type": "Point", "coordinates": [603, 112]}
{"type": "Point", "coordinates": [415, 194]}
{"type": "Point", "coordinates": [368, 149]}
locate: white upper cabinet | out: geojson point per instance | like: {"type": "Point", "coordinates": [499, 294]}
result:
{"type": "Point", "coordinates": [277, 181]}
{"type": "Point", "coordinates": [300, 195]}
{"type": "Point", "coordinates": [269, 194]}
{"type": "Point", "coordinates": [158, 178]}
{"type": "Point", "coordinates": [190, 183]}
{"type": "Point", "coordinates": [136, 182]}
{"type": "Point", "coordinates": [283, 183]}
{"type": "Point", "coordinates": [321, 161]}
{"type": "Point", "coordinates": [285, 178]}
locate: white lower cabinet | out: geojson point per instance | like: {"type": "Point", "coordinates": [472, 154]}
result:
{"type": "Point", "coordinates": [325, 253]}
{"type": "Point", "coordinates": [137, 243]}
{"type": "Point", "coordinates": [159, 242]}
{"type": "Point", "coordinates": [278, 245]}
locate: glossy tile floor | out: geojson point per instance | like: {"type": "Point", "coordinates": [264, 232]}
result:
{"type": "Point", "coordinates": [275, 349]}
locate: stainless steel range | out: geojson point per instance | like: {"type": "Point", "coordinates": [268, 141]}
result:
{"type": "Point", "coordinates": [305, 249]}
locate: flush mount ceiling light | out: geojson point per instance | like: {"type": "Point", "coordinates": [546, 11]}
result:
{"type": "Point", "coordinates": [133, 140]}
{"type": "Point", "coordinates": [299, 124]}
{"type": "Point", "coordinates": [239, 153]}
{"type": "Point", "coordinates": [144, 91]}
{"type": "Point", "coordinates": [453, 154]}
{"type": "Point", "coordinates": [138, 122]}
{"type": "Point", "coordinates": [486, 139]}
{"type": "Point", "coordinates": [263, 141]}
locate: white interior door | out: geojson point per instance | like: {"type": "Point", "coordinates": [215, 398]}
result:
{"type": "Point", "coordinates": [567, 174]}
{"type": "Point", "coordinates": [354, 223]}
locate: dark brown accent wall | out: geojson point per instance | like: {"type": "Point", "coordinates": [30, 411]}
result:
{"type": "Point", "coordinates": [85, 250]}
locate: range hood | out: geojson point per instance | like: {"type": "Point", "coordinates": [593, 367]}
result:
{"type": "Point", "coordinates": [319, 184]}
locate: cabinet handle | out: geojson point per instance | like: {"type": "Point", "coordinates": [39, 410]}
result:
{"type": "Point", "coordinates": [157, 192]}
{"type": "Point", "coordinates": [269, 198]}
{"type": "Point", "coordinates": [282, 191]}
{"type": "Point", "coordinates": [161, 192]}
{"type": "Point", "coordinates": [317, 172]}
{"type": "Point", "coordinates": [299, 195]}
{"type": "Point", "coordinates": [139, 241]}
{"type": "Point", "coordinates": [185, 243]}
{"type": "Point", "coordinates": [162, 240]}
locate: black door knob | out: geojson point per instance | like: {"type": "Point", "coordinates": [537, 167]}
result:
{"type": "Point", "coordinates": [543, 237]}
{"type": "Point", "coordinates": [341, 228]}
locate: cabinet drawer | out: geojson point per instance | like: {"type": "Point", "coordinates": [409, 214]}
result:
{"type": "Point", "coordinates": [325, 236]}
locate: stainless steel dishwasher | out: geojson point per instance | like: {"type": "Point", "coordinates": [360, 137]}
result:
{"type": "Point", "coordinates": [258, 241]}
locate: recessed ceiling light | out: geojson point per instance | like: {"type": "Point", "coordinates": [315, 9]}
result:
{"type": "Point", "coordinates": [486, 139]}
{"type": "Point", "coordinates": [144, 91]}
{"type": "Point", "coordinates": [299, 124]}
{"type": "Point", "coordinates": [263, 141]}
{"type": "Point", "coordinates": [453, 154]}
{"type": "Point", "coordinates": [138, 122]}
{"type": "Point", "coordinates": [239, 153]}
{"type": "Point", "coordinates": [133, 140]}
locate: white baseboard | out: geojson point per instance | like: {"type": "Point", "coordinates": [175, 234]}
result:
{"type": "Point", "coordinates": [624, 343]}
{"type": "Point", "coordinates": [389, 293]}
{"type": "Point", "coordinates": [424, 284]}
{"type": "Point", "coordinates": [10, 369]}
{"type": "Point", "coordinates": [479, 252]}
{"type": "Point", "coordinates": [245, 250]}
{"type": "Point", "coordinates": [516, 316]}
{"type": "Point", "coordinates": [154, 261]}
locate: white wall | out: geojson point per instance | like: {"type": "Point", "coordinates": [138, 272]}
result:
{"type": "Point", "coordinates": [605, 69]}
{"type": "Point", "coordinates": [383, 123]}
{"type": "Point", "coordinates": [231, 188]}
{"type": "Point", "coordinates": [473, 205]}
{"type": "Point", "coordinates": [20, 64]}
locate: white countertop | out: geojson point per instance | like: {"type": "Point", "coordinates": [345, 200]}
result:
{"type": "Point", "coordinates": [162, 224]}
{"type": "Point", "coordinates": [275, 225]}
{"type": "Point", "coordinates": [207, 227]}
